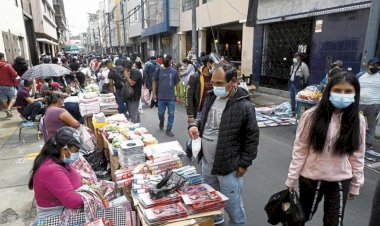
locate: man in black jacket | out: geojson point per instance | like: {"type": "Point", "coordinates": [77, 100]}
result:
{"type": "Point", "coordinates": [230, 137]}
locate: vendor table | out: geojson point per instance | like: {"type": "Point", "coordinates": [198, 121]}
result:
{"type": "Point", "coordinates": [303, 105]}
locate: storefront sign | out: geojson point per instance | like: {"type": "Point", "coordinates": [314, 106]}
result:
{"type": "Point", "coordinates": [318, 26]}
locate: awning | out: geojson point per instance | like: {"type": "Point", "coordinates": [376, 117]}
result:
{"type": "Point", "coordinates": [44, 40]}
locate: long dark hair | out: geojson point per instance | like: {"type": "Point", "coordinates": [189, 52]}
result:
{"type": "Point", "coordinates": [349, 137]}
{"type": "Point", "coordinates": [51, 149]}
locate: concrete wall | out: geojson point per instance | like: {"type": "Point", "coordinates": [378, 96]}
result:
{"type": "Point", "coordinates": [136, 29]}
{"type": "Point", "coordinates": [43, 22]}
{"type": "Point", "coordinates": [13, 22]}
{"type": "Point", "coordinates": [220, 13]}
{"type": "Point", "coordinates": [277, 8]}
{"type": "Point", "coordinates": [247, 53]}
{"type": "Point", "coordinates": [174, 12]}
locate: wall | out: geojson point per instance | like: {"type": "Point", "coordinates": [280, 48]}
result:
{"type": "Point", "coordinates": [174, 12]}
{"type": "Point", "coordinates": [136, 29]}
{"type": "Point", "coordinates": [247, 54]}
{"type": "Point", "coordinates": [342, 38]}
{"type": "Point", "coordinates": [43, 22]}
{"type": "Point", "coordinates": [220, 13]}
{"type": "Point", "coordinates": [277, 8]}
{"type": "Point", "coordinates": [14, 23]}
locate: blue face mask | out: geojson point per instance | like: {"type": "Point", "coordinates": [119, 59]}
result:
{"type": "Point", "coordinates": [220, 91]}
{"type": "Point", "coordinates": [73, 157]}
{"type": "Point", "coordinates": [341, 100]}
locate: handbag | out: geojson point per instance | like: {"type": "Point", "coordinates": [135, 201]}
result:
{"type": "Point", "coordinates": [127, 92]}
{"type": "Point", "coordinates": [145, 95]}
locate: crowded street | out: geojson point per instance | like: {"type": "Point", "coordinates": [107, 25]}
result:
{"type": "Point", "coordinates": [190, 113]}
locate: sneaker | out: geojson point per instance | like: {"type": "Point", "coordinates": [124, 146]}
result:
{"type": "Point", "coordinates": [9, 113]}
{"type": "Point", "coordinates": [141, 111]}
{"type": "Point", "coordinates": [161, 126]}
{"type": "Point", "coordinates": [218, 221]}
{"type": "Point", "coordinates": [169, 133]}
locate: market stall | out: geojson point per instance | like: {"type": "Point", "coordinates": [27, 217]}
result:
{"type": "Point", "coordinates": [152, 176]}
{"type": "Point", "coordinates": [306, 99]}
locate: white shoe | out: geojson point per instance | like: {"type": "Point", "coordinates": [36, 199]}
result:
{"type": "Point", "coordinates": [141, 111]}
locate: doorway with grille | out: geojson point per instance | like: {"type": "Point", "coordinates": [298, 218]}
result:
{"type": "Point", "coordinates": [281, 41]}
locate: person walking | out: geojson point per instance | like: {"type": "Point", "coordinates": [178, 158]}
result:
{"type": "Point", "coordinates": [190, 70]}
{"type": "Point", "coordinates": [199, 84]}
{"type": "Point", "coordinates": [328, 152]}
{"type": "Point", "coordinates": [370, 98]}
{"type": "Point", "coordinates": [134, 78]}
{"type": "Point", "coordinates": [165, 79]}
{"type": "Point", "coordinates": [8, 81]}
{"type": "Point", "coordinates": [116, 82]}
{"type": "Point", "coordinates": [149, 69]}
{"type": "Point", "coordinates": [229, 140]}
{"type": "Point", "coordinates": [299, 75]}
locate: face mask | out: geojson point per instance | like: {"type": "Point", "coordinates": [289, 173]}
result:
{"type": "Point", "coordinates": [73, 157]}
{"type": "Point", "coordinates": [295, 60]}
{"type": "Point", "coordinates": [373, 70]}
{"type": "Point", "coordinates": [341, 100]}
{"type": "Point", "coordinates": [220, 91]}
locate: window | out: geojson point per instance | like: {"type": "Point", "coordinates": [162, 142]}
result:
{"type": "Point", "coordinates": [153, 13]}
{"type": "Point", "coordinates": [188, 4]}
{"type": "Point", "coordinates": [133, 16]}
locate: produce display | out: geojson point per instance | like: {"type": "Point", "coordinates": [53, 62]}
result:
{"type": "Point", "coordinates": [309, 94]}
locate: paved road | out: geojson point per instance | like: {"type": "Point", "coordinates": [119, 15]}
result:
{"type": "Point", "coordinates": [269, 170]}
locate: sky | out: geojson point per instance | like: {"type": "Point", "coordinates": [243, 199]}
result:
{"type": "Point", "coordinates": [76, 14]}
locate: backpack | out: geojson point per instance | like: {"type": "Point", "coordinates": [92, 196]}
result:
{"type": "Point", "coordinates": [127, 92]}
{"type": "Point", "coordinates": [119, 83]}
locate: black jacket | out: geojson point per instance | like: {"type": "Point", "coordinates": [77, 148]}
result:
{"type": "Point", "coordinates": [238, 133]}
{"type": "Point", "coordinates": [375, 219]}
{"type": "Point", "coordinates": [194, 94]}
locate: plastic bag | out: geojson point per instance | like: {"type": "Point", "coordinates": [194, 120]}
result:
{"type": "Point", "coordinates": [196, 147]}
{"type": "Point", "coordinates": [283, 109]}
{"type": "Point", "coordinates": [167, 185]}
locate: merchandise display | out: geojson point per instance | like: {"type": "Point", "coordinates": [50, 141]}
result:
{"type": "Point", "coordinates": [310, 94]}
{"type": "Point", "coordinates": [162, 213]}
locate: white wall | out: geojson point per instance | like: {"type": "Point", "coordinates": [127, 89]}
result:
{"type": "Point", "coordinates": [220, 13]}
{"type": "Point", "coordinates": [136, 29]}
{"type": "Point", "coordinates": [12, 21]}
{"type": "Point", "coordinates": [277, 8]}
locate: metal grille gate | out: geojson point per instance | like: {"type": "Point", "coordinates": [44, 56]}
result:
{"type": "Point", "coordinates": [281, 41]}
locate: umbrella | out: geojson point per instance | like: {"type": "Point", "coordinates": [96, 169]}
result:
{"type": "Point", "coordinates": [42, 71]}
{"type": "Point", "coordinates": [71, 48]}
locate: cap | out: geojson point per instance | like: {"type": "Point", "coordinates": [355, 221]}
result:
{"type": "Point", "coordinates": [373, 60]}
{"type": "Point", "coordinates": [338, 63]}
{"type": "Point", "coordinates": [56, 85]}
{"type": "Point", "coordinates": [138, 59]}
{"type": "Point", "coordinates": [68, 136]}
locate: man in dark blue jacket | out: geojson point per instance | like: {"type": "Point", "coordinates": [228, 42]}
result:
{"type": "Point", "coordinates": [230, 136]}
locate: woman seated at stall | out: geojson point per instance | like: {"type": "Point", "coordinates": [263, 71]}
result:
{"type": "Point", "coordinates": [56, 117]}
{"type": "Point", "coordinates": [53, 179]}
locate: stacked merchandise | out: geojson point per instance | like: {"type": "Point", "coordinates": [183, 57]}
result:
{"type": "Point", "coordinates": [163, 213]}
{"type": "Point", "coordinates": [202, 198]}
{"type": "Point", "coordinates": [160, 165]}
{"type": "Point", "coordinates": [148, 202]}
{"type": "Point", "coordinates": [108, 103]}
{"type": "Point", "coordinates": [190, 174]}
{"type": "Point", "coordinates": [164, 149]}
{"type": "Point", "coordinates": [143, 183]}
{"type": "Point", "coordinates": [273, 120]}
{"type": "Point", "coordinates": [88, 104]}
{"type": "Point", "coordinates": [131, 153]}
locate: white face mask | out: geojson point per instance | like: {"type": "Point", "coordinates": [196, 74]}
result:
{"type": "Point", "coordinates": [295, 60]}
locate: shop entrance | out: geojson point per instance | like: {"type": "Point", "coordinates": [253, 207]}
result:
{"type": "Point", "coordinates": [281, 41]}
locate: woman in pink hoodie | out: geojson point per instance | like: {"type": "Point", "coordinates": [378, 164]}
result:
{"type": "Point", "coordinates": [328, 153]}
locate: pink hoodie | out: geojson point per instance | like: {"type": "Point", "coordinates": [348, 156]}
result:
{"type": "Point", "coordinates": [326, 165]}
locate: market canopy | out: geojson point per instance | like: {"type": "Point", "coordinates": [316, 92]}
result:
{"type": "Point", "coordinates": [71, 48]}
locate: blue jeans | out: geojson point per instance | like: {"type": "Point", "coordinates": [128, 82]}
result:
{"type": "Point", "coordinates": [231, 186]}
{"type": "Point", "coordinates": [73, 109]}
{"type": "Point", "coordinates": [162, 105]}
{"type": "Point", "coordinates": [120, 102]}
{"type": "Point", "coordinates": [293, 92]}
{"type": "Point", "coordinates": [32, 110]}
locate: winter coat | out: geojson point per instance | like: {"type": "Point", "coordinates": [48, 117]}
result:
{"type": "Point", "coordinates": [194, 94]}
{"type": "Point", "coordinates": [149, 69]}
{"type": "Point", "coordinates": [238, 133]}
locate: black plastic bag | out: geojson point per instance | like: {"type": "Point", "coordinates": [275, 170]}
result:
{"type": "Point", "coordinates": [167, 185]}
{"type": "Point", "coordinates": [97, 160]}
{"type": "Point", "coordinates": [284, 207]}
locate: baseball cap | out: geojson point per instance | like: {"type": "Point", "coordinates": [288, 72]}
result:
{"type": "Point", "coordinates": [373, 60]}
{"type": "Point", "coordinates": [68, 136]}
{"type": "Point", "coordinates": [56, 85]}
{"type": "Point", "coordinates": [338, 63]}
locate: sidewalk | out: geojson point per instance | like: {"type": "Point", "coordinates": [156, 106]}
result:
{"type": "Point", "coordinates": [15, 165]}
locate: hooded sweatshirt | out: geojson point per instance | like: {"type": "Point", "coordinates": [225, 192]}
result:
{"type": "Point", "coordinates": [327, 165]}
{"type": "Point", "coordinates": [8, 75]}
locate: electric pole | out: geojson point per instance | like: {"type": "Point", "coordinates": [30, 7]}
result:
{"type": "Point", "coordinates": [109, 29]}
{"type": "Point", "coordinates": [194, 35]}
{"type": "Point", "coordinates": [124, 33]}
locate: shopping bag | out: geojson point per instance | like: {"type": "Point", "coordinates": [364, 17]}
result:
{"type": "Point", "coordinates": [295, 214]}
{"type": "Point", "coordinates": [145, 95]}
{"type": "Point", "coordinates": [88, 138]}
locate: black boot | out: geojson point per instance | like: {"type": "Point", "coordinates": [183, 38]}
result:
{"type": "Point", "coordinates": [161, 126]}
{"type": "Point", "coordinates": [169, 133]}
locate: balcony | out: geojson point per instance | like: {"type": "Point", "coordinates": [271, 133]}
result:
{"type": "Point", "coordinates": [26, 8]}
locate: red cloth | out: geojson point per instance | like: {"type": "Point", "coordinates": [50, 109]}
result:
{"type": "Point", "coordinates": [159, 61]}
{"type": "Point", "coordinates": [8, 74]}
{"type": "Point", "coordinates": [55, 185]}
{"type": "Point", "coordinates": [39, 86]}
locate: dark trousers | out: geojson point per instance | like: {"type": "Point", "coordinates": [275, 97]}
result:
{"type": "Point", "coordinates": [32, 110]}
{"type": "Point", "coordinates": [335, 198]}
{"type": "Point", "coordinates": [370, 112]}
{"type": "Point", "coordinates": [120, 102]}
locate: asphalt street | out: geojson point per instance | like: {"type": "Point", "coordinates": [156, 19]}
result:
{"type": "Point", "coordinates": [269, 170]}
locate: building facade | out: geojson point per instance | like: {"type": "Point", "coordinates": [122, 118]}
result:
{"type": "Point", "coordinates": [220, 28]}
{"type": "Point", "coordinates": [13, 40]}
{"type": "Point", "coordinates": [324, 31]}
{"type": "Point", "coordinates": [45, 26]}
{"type": "Point", "coordinates": [61, 21]}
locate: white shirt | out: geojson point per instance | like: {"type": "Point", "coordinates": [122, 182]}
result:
{"type": "Point", "coordinates": [370, 89]}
